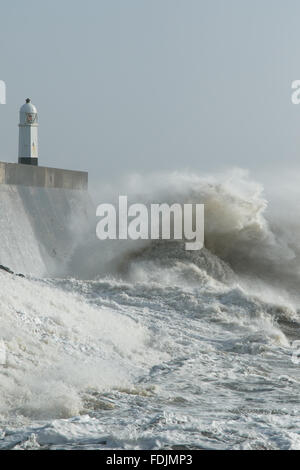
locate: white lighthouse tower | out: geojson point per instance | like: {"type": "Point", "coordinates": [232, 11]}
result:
{"type": "Point", "coordinates": [28, 134]}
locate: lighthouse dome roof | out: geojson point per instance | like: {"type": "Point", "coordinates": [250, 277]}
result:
{"type": "Point", "coordinates": [28, 107]}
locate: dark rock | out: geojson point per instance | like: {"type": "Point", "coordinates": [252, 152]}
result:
{"type": "Point", "coordinates": [5, 268]}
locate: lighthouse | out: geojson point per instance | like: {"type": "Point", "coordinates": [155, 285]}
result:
{"type": "Point", "coordinates": [28, 134]}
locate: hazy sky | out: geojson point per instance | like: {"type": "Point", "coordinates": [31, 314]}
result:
{"type": "Point", "coordinates": [142, 85]}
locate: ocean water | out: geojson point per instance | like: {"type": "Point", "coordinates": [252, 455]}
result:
{"type": "Point", "coordinates": [150, 346]}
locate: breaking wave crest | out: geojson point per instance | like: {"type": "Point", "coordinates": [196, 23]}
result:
{"type": "Point", "coordinates": [242, 240]}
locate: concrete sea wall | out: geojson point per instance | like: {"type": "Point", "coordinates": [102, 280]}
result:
{"type": "Point", "coordinates": [40, 226]}
{"type": "Point", "coordinates": [28, 175]}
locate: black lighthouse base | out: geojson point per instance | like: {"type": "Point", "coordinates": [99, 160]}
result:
{"type": "Point", "coordinates": [28, 161]}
